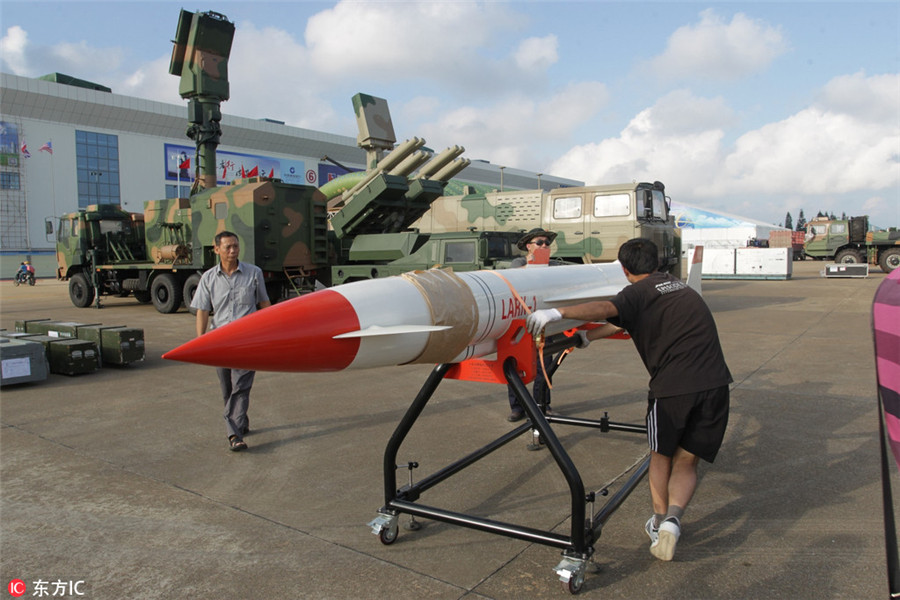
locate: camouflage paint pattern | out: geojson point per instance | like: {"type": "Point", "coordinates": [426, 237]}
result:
{"type": "Point", "coordinates": [168, 227]}
{"type": "Point", "coordinates": [279, 225]}
{"type": "Point", "coordinates": [591, 222]}
{"type": "Point", "coordinates": [850, 241]}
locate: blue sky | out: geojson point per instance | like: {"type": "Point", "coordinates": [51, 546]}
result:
{"type": "Point", "coordinates": [753, 108]}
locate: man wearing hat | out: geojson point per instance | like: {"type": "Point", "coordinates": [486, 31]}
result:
{"type": "Point", "coordinates": [531, 241]}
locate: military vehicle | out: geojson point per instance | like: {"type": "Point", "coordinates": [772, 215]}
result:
{"type": "Point", "coordinates": [158, 255]}
{"type": "Point", "coordinates": [284, 229]}
{"type": "Point", "coordinates": [591, 222]}
{"type": "Point", "coordinates": [850, 241]}
{"type": "Point", "coordinates": [363, 225]}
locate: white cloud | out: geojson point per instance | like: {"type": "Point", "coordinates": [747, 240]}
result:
{"type": "Point", "coordinates": [714, 49]}
{"type": "Point", "coordinates": [678, 138]}
{"type": "Point", "coordinates": [874, 98]}
{"type": "Point", "coordinates": [537, 53]}
{"type": "Point", "coordinates": [818, 152]}
{"type": "Point", "coordinates": [432, 40]}
{"type": "Point", "coordinates": [511, 132]}
{"type": "Point", "coordinates": [78, 59]}
{"type": "Point", "coordinates": [13, 46]}
{"type": "Point", "coordinates": [821, 151]}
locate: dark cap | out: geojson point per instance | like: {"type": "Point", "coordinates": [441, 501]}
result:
{"type": "Point", "coordinates": [536, 232]}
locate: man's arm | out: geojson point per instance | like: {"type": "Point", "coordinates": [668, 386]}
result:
{"type": "Point", "coordinates": [587, 311]}
{"type": "Point", "coordinates": [600, 310]}
{"type": "Point", "coordinates": [265, 304]}
{"type": "Point", "coordinates": [202, 321]}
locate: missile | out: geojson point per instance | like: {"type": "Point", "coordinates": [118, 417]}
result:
{"type": "Point", "coordinates": [439, 161]}
{"type": "Point", "coordinates": [451, 169]}
{"type": "Point", "coordinates": [422, 317]}
{"type": "Point", "coordinates": [388, 162]}
{"type": "Point", "coordinates": [410, 163]}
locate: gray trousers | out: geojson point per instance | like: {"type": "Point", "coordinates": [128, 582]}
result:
{"type": "Point", "coordinates": [236, 384]}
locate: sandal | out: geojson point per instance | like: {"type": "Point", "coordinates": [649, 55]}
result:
{"type": "Point", "coordinates": [237, 444]}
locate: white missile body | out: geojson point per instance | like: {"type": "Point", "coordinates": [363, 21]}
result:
{"type": "Point", "coordinates": [428, 317]}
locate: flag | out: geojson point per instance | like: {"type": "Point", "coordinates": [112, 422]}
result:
{"type": "Point", "coordinates": [243, 174]}
{"type": "Point", "coordinates": [272, 173]}
{"type": "Point", "coordinates": [46, 148]}
{"type": "Point", "coordinates": [254, 172]}
{"type": "Point", "coordinates": [185, 164]}
{"type": "Point", "coordinates": [25, 151]}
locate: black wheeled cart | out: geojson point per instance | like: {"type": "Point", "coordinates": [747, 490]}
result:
{"type": "Point", "coordinates": [586, 525]}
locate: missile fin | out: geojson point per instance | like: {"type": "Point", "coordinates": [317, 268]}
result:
{"type": "Point", "coordinates": [376, 330]}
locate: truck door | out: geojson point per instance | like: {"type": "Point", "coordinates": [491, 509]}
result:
{"type": "Point", "coordinates": [610, 222]}
{"type": "Point", "coordinates": [566, 213]}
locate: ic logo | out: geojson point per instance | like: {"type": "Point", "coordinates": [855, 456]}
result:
{"type": "Point", "coordinates": [16, 588]}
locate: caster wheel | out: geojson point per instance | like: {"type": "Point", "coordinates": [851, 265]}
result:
{"type": "Point", "coordinates": [574, 585]}
{"type": "Point", "coordinates": [388, 535]}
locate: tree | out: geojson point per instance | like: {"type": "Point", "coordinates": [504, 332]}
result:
{"type": "Point", "coordinates": [801, 222]}
{"type": "Point", "coordinates": [788, 221]}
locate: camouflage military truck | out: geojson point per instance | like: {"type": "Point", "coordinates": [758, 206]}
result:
{"type": "Point", "coordinates": [591, 222]}
{"type": "Point", "coordinates": [850, 241]}
{"type": "Point", "coordinates": [159, 256]}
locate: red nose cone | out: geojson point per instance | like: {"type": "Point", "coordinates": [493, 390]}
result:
{"type": "Point", "coordinates": [297, 335]}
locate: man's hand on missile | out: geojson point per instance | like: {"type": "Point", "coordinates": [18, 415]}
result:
{"type": "Point", "coordinates": [539, 319]}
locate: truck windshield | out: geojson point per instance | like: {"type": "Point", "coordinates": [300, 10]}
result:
{"type": "Point", "coordinates": [114, 226]}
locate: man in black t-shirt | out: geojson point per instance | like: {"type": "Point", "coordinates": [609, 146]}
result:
{"type": "Point", "coordinates": [687, 413]}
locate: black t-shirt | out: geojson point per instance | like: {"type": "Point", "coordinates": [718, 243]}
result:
{"type": "Point", "coordinates": [675, 334]}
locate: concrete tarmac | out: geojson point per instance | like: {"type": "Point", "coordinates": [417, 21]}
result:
{"type": "Point", "coordinates": [121, 479]}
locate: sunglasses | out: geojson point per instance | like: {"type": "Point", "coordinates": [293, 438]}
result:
{"type": "Point", "coordinates": [540, 242]}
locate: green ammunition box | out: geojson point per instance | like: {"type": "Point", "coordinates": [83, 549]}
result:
{"type": "Point", "coordinates": [118, 345]}
{"type": "Point", "coordinates": [22, 361]}
{"type": "Point", "coordinates": [57, 329]}
{"type": "Point", "coordinates": [15, 335]}
{"type": "Point", "coordinates": [69, 356]}
{"type": "Point", "coordinates": [22, 325]}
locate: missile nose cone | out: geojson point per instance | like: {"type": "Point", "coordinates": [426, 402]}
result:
{"type": "Point", "coordinates": [297, 335]}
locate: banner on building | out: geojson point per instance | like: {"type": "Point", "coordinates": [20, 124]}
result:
{"type": "Point", "coordinates": [179, 161]}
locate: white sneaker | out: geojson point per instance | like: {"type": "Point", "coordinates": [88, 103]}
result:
{"type": "Point", "coordinates": [652, 532]}
{"type": "Point", "coordinates": [664, 547]}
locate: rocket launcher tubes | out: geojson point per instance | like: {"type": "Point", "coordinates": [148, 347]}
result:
{"type": "Point", "coordinates": [423, 317]}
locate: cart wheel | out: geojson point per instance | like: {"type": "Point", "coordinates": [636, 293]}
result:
{"type": "Point", "coordinates": [574, 584]}
{"type": "Point", "coordinates": [388, 535]}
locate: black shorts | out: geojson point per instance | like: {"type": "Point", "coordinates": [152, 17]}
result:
{"type": "Point", "coordinates": [696, 422]}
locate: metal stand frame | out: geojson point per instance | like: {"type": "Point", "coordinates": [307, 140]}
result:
{"type": "Point", "coordinates": [577, 546]}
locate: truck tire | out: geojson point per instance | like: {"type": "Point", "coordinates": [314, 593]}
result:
{"type": "Point", "coordinates": [166, 293]}
{"type": "Point", "coordinates": [81, 292]}
{"type": "Point", "coordinates": [889, 259]}
{"type": "Point", "coordinates": [848, 256]}
{"type": "Point", "coordinates": [143, 296]}
{"type": "Point", "coordinates": [187, 292]}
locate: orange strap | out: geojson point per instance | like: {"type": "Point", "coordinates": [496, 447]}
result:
{"type": "Point", "coordinates": [539, 340]}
